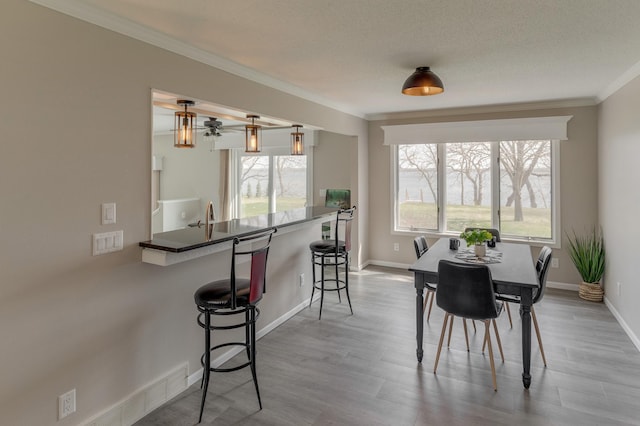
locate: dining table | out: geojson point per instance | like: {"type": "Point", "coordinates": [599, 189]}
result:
{"type": "Point", "coordinates": [512, 270]}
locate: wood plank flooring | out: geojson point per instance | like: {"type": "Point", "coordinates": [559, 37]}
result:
{"type": "Point", "coordinates": [362, 369]}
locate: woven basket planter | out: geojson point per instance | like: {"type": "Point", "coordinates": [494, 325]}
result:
{"type": "Point", "coordinates": [591, 292]}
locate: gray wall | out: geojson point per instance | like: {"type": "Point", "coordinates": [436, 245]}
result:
{"type": "Point", "coordinates": [619, 200]}
{"type": "Point", "coordinates": [76, 132]}
{"type": "Point", "coordinates": [578, 179]}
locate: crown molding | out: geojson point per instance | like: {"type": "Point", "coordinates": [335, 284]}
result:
{"type": "Point", "coordinates": [87, 13]}
{"type": "Point", "coordinates": [617, 84]}
{"type": "Point", "coordinates": [484, 109]}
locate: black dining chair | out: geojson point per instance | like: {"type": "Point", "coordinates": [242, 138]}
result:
{"type": "Point", "coordinates": [496, 234]}
{"type": "Point", "coordinates": [542, 267]}
{"type": "Point", "coordinates": [333, 253]}
{"type": "Point", "coordinates": [421, 246]}
{"type": "Point", "coordinates": [233, 296]}
{"type": "Point", "coordinates": [466, 290]}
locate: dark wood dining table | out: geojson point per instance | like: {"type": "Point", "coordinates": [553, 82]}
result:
{"type": "Point", "coordinates": [514, 274]}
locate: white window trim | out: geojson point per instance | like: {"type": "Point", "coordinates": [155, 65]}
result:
{"type": "Point", "coordinates": [553, 242]}
{"type": "Point", "coordinates": [237, 153]}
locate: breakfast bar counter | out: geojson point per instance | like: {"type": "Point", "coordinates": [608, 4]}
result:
{"type": "Point", "coordinates": [180, 245]}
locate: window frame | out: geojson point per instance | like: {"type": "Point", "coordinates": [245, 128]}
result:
{"type": "Point", "coordinates": [270, 152]}
{"type": "Point", "coordinates": [553, 242]}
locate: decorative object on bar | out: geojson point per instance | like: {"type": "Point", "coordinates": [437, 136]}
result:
{"type": "Point", "coordinates": [423, 82]}
{"type": "Point", "coordinates": [253, 135]}
{"type": "Point", "coordinates": [234, 296]}
{"type": "Point", "coordinates": [185, 126]}
{"type": "Point", "coordinates": [297, 140]}
{"type": "Point", "coordinates": [588, 255]}
{"type": "Point", "coordinates": [477, 238]}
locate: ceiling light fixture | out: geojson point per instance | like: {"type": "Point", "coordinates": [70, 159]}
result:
{"type": "Point", "coordinates": [297, 140]}
{"type": "Point", "coordinates": [423, 82]}
{"type": "Point", "coordinates": [253, 135]}
{"type": "Point", "coordinates": [185, 126]}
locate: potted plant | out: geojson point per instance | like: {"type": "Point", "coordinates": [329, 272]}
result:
{"type": "Point", "coordinates": [477, 237]}
{"type": "Point", "coordinates": [588, 255]}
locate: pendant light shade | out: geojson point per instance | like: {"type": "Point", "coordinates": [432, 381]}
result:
{"type": "Point", "coordinates": [185, 126]}
{"type": "Point", "coordinates": [297, 141]}
{"type": "Point", "coordinates": [253, 135]}
{"type": "Point", "coordinates": [423, 82]}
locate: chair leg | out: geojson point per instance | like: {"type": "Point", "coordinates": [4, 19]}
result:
{"type": "Point", "coordinates": [313, 276]}
{"type": "Point", "coordinates": [433, 296]}
{"type": "Point", "coordinates": [506, 304]}
{"type": "Point", "coordinates": [535, 325]}
{"type": "Point", "coordinates": [321, 287]}
{"type": "Point", "coordinates": [426, 300]}
{"type": "Point", "coordinates": [495, 329]}
{"type": "Point", "coordinates": [207, 361]}
{"type": "Point", "coordinates": [444, 330]}
{"type": "Point", "coordinates": [487, 338]}
{"type": "Point", "coordinates": [474, 326]}
{"type": "Point", "coordinates": [335, 261]}
{"type": "Point", "coordinates": [247, 340]}
{"type": "Point", "coordinates": [346, 281]}
{"type": "Point", "coordinates": [252, 325]}
{"type": "Point", "coordinates": [450, 330]}
{"type": "Point", "coordinates": [466, 334]}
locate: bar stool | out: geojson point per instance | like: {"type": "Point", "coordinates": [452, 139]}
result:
{"type": "Point", "coordinates": [333, 253]}
{"type": "Point", "coordinates": [234, 296]}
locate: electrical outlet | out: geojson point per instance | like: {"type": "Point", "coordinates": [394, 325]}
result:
{"type": "Point", "coordinates": [555, 263]}
{"type": "Point", "coordinates": [66, 404]}
{"type": "Point", "coordinates": [301, 279]}
{"type": "Point", "coordinates": [396, 247]}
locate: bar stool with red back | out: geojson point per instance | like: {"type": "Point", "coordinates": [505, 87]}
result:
{"type": "Point", "coordinates": [333, 253]}
{"type": "Point", "coordinates": [235, 296]}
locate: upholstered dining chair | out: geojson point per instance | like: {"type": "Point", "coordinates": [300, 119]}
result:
{"type": "Point", "coordinates": [542, 267]}
{"type": "Point", "coordinates": [496, 234]}
{"type": "Point", "coordinates": [421, 246]}
{"type": "Point", "coordinates": [466, 290]}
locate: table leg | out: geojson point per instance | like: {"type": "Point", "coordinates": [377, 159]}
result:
{"type": "Point", "coordinates": [419, 322]}
{"type": "Point", "coordinates": [525, 315]}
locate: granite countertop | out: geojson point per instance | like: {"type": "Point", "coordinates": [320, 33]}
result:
{"type": "Point", "coordinates": [195, 237]}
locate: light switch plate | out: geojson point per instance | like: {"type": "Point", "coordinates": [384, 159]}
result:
{"type": "Point", "coordinates": [107, 242]}
{"type": "Point", "coordinates": [108, 213]}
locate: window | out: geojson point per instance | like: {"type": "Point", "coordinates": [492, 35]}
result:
{"type": "Point", "coordinates": [270, 182]}
{"type": "Point", "coordinates": [506, 185]}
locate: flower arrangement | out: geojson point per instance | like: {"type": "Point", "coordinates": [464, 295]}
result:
{"type": "Point", "coordinates": [476, 236]}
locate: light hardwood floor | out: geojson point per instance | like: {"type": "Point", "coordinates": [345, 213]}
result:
{"type": "Point", "coordinates": [362, 369]}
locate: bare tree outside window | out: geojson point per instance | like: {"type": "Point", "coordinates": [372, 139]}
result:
{"type": "Point", "coordinates": [525, 174]}
{"type": "Point", "coordinates": [468, 173]}
{"type": "Point", "coordinates": [523, 203]}
{"type": "Point", "coordinates": [417, 171]}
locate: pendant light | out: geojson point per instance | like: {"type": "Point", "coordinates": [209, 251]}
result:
{"type": "Point", "coordinates": [297, 140]}
{"type": "Point", "coordinates": [185, 126]}
{"type": "Point", "coordinates": [253, 135]}
{"type": "Point", "coordinates": [423, 82]}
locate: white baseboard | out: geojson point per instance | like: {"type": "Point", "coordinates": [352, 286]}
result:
{"type": "Point", "coordinates": [563, 286]}
{"type": "Point", "coordinates": [404, 266]}
{"type": "Point", "coordinates": [144, 400]}
{"type": "Point", "coordinates": [622, 323]}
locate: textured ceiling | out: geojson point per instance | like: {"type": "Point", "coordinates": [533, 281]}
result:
{"type": "Point", "coordinates": [354, 55]}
